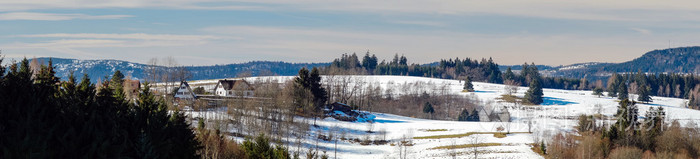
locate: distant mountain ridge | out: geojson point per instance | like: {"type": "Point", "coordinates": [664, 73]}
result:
{"type": "Point", "coordinates": [99, 69]}
{"type": "Point", "coordinates": [677, 60]}
{"type": "Point", "coordinates": [684, 60]}
{"type": "Point", "coordinates": [673, 60]}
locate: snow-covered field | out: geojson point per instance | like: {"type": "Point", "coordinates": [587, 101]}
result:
{"type": "Point", "coordinates": [557, 114]}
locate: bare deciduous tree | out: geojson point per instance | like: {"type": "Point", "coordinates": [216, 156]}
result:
{"type": "Point", "coordinates": [474, 140]}
{"type": "Point", "coordinates": [511, 87]}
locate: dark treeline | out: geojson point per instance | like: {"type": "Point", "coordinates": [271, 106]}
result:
{"type": "Point", "coordinates": [529, 72]}
{"type": "Point", "coordinates": [484, 70]}
{"type": "Point", "coordinates": [665, 85]}
{"type": "Point", "coordinates": [43, 117]}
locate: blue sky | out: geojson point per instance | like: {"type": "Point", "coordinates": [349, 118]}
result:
{"type": "Point", "coordinates": [207, 32]}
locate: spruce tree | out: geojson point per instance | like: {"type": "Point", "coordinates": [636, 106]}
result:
{"type": "Point", "coordinates": [626, 124]}
{"type": "Point", "coordinates": [598, 91]}
{"type": "Point", "coordinates": [320, 96]}
{"type": "Point", "coordinates": [622, 94]}
{"type": "Point", "coordinates": [468, 86]}
{"type": "Point", "coordinates": [534, 93]}
{"type": "Point", "coordinates": [474, 116]}
{"type": "Point", "coordinates": [463, 116]}
{"type": "Point", "coordinates": [117, 78]}
{"type": "Point", "coordinates": [428, 109]}
{"type": "Point", "coordinates": [509, 75]}
{"type": "Point", "coordinates": [643, 92]}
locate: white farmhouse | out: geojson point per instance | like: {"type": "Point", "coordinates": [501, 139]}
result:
{"type": "Point", "coordinates": [184, 92]}
{"type": "Point", "coordinates": [233, 88]}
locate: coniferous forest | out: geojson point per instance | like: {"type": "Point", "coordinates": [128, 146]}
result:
{"type": "Point", "coordinates": [484, 70]}
{"type": "Point", "coordinates": [44, 117]}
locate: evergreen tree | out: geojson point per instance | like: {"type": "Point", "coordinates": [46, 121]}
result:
{"type": "Point", "coordinates": [509, 75]}
{"type": "Point", "coordinates": [468, 86]}
{"type": "Point", "coordinates": [369, 62]}
{"type": "Point", "coordinates": [626, 124]}
{"type": "Point", "coordinates": [260, 148]}
{"type": "Point", "coordinates": [534, 93]}
{"type": "Point", "coordinates": [320, 96]}
{"type": "Point", "coordinates": [117, 78]}
{"type": "Point", "coordinates": [117, 85]}
{"type": "Point", "coordinates": [614, 84]}
{"type": "Point", "coordinates": [309, 95]}
{"type": "Point", "coordinates": [463, 116]}
{"type": "Point", "coordinates": [71, 120]}
{"type": "Point", "coordinates": [598, 91]}
{"type": "Point", "coordinates": [153, 121]}
{"type": "Point", "coordinates": [524, 72]}
{"type": "Point", "coordinates": [643, 92]}
{"type": "Point", "coordinates": [403, 61]}
{"type": "Point", "coordinates": [653, 127]}
{"type": "Point", "coordinates": [428, 109]}
{"type": "Point", "coordinates": [474, 116]}
{"type": "Point", "coordinates": [302, 96]}
{"type": "Point", "coordinates": [622, 95]}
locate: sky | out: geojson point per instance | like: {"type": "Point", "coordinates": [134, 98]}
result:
{"type": "Point", "coordinates": [208, 32]}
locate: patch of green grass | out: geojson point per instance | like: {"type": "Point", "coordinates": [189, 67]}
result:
{"type": "Point", "coordinates": [433, 130]}
{"type": "Point", "coordinates": [464, 135]}
{"type": "Point", "coordinates": [449, 147]}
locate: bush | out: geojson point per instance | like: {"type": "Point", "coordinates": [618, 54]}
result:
{"type": "Point", "coordinates": [585, 123]}
{"type": "Point", "coordinates": [626, 152]}
{"type": "Point", "coordinates": [671, 140]}
{"type": "Point", "coordinates": [590, 147]}
{"type": "Point", "coordinates": [561, 146]}
{"type": "Point", "coordinates": [261, 148]}
{"type": "Point", "coordinates": [215, 145]}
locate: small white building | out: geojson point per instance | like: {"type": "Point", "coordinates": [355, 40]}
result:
{"type": "Point", "coordinates": [233, 88]}
{"type": "Point", "coordinates": [184, 92]}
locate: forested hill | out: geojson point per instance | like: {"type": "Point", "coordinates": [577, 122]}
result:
{"type": "Point", "coordinates": [102, 68]}
{"type": "Point", "coordinates": [676, 60]}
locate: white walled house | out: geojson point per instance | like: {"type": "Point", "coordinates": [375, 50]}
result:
{"type": "Point", "coordinates": [233, 88]}
{"type": "Point", "coordinates": [184, 92]}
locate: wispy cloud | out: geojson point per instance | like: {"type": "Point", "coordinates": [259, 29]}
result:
{"type": "Point", "coordinates": [55, 16]}
{"type": "Point", "coordinates": [25, 5]}
{"type": "Point", "coordinates": [422, 23]}
{"type": "Point", "coordinates": [137, 36]}
{"type": "Point", "coordinates": [642, 31]}
{"type": "Point", "coordinates": [83, 45]}
{"type": "Point", "coordinates": [89, 40]}
{"type": "Point", "coordinates": [627, 10]}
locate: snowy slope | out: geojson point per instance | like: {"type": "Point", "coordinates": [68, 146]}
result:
{"type": "Point", "coordinates": [557, 114]}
